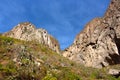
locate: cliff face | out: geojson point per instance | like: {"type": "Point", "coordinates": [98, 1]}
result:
{"type": "Point", "coordinates": [98, 45]}
{"type": "Point", "coordinates": [27, 31]}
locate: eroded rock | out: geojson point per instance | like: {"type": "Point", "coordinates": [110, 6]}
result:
{"type": "Point", "coordinates": [98, 45]}
{"type": "Point", "coordinates": [27, 31]}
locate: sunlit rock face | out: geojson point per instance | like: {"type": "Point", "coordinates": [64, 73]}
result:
{"type": "Point", "coordinates": [28, 32]}
{"type": "Point", "coordinates": [98, 45]}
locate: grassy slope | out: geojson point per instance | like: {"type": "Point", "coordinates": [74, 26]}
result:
{"type": "Point", "coordinates": [20, 60]}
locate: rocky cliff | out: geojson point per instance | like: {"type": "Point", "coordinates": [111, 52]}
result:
{"type": "Point", "coordinates": [28, 32]}
{"type": "Point", "coordinates": [98, 45]}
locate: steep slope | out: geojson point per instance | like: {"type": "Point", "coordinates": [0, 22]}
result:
{"type": "Point", "coordinates": [98, 45]}
{"type": "Point", "coordinates": [21, 60]}
{"type": "Point", "coordinates": [27, 31]}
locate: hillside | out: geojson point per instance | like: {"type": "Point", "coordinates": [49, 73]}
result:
{"type": "Point", "coordinates": [28, 53]}
{"type": "Point", "coordinates": [27, 60]}
{"type": "Point", "coordinates": [28, 32]}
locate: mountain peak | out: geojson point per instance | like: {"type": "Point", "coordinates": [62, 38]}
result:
{"type": "Point", "coordinates": [28, 32]}
{"type": "Point", "coordinates": [24, 26]}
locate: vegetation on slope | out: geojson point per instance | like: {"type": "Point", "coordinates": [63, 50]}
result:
{"type": "Point", "coordinates": [21, 60]}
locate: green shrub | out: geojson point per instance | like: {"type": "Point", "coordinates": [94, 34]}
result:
{"type": "Point", "coordinates": [71, 76]}
{"type": "Point", "coordinates": [49, 77]}
{"type": "Point", "coordinates": [112, 78]}
{"type": "Point", "coordinates": [72, 63]}
{"type": "Point", "coordinates": [6, 40]}
{"type": "Point", "coordinates": [66, 74]}
{"type": "Point", "coordinates": [1, 67]}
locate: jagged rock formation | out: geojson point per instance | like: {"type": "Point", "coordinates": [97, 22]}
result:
{"type": "Point", "coordinates": [27, 31]}
{"type": "Point", "coordinates": [98, 45]}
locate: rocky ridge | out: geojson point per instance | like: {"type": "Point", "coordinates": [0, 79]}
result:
{"type": "Point", "coordinates": [98, 45]}
{"type": "Point", "coordinates": [28, 32]}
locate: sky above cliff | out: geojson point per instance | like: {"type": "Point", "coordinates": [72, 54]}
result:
{"type": "Point", "coordinates": [63, 19]}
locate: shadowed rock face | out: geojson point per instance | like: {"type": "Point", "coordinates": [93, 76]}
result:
{"type": "Point", "coordinates": [98, 45]}
{"type": "Point", "coordinates": [27, 31]}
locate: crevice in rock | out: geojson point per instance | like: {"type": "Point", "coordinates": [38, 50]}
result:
{"type": "Point", "coordinates": [117, 41]}
{"type": "Point", "coordinates": [111, 28]}
{"type": "Point", "coordinates": [114, 59]}
{"type": "Point", "coordinates": [102, 64]}
{"type": "Point", "coordinates": [91, 43]}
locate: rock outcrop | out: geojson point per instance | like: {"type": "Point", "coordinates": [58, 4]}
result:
{"type": "Point", "coordinates": [98, 45]}
{"type": "Point", "coordinates": [114, 72]}
{"type": "Point", "coordinates": [28, 32]}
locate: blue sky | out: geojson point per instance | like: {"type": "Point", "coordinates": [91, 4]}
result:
{"type": "Point", "coordinates": [63, 19]}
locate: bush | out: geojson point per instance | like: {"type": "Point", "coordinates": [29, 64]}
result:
{"type": "Point", "coordinates": [6, 40]}
{"type": "Point", "coordinates": [66, 74]}
{"type": "Point", "coordinates": [49, 77]}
